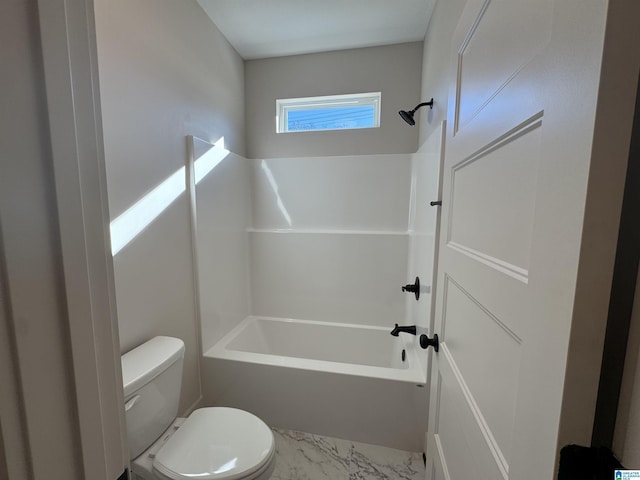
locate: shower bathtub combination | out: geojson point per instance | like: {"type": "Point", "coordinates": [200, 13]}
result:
{"type": "Point", "coordinates": [342, 380]}
{"type": "Point", "coordinates": [336, 371]}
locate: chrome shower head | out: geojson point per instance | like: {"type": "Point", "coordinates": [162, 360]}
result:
{"type": "Point", "coordinates": [409, 116]}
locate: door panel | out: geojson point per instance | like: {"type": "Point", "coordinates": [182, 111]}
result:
{"type": "Point", "coordinates": [493, 198]}
{"type": "Point", "coordinates": [491, 374]}
{"type": "Point", "coordinates": [486, 62]}
{"type": "Point", "coordinates": [461, 441]}
{"type": "Point", "coordinates": [436, 469]}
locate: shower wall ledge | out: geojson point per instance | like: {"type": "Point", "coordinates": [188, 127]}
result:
{"type": "Point", "coordinates": [327, 231]}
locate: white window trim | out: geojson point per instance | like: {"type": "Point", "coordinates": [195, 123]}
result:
{"type": "Point", "coordinates": [285, 105]}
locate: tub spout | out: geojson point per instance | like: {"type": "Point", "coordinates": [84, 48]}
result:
{"type": "Point", "coordinates": [396, 331]}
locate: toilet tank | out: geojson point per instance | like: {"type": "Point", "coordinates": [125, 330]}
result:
{"type": "Point", "coordinates": [152, 376]}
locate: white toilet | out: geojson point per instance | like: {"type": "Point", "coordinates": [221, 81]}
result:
{"type": "Point", "coordinates": [211, 444]}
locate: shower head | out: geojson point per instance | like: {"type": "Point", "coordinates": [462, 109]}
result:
{"type": "Point", "coordinates": [408, 116]}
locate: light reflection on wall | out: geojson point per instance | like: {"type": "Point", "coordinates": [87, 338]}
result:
{"type": "Point", "coordinates": [209, 160]}
{"type": "Point", "coordinates": [274, 186]}
{"type": "Point", "coordinates": [136, 218]}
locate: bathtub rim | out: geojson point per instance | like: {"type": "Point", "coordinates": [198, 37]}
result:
{"type": "Point", "coordinates": [414, 374]}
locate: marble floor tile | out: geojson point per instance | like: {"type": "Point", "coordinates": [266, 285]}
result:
{"type": "Point", "coordinates": [305, 456]}
{"type": "Point", "coordinates": [302, 456]}
{"type": "Point", "coordinates": [372, 462]}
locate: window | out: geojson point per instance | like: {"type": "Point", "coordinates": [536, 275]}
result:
{"type": "Point", "coordinates": [334, 112]}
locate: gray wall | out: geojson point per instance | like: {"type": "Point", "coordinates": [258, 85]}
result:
{"type": "Point", "coordinates": [393, 70]}
{"type": "Point", "coordinates": [436, 64]}
{"type": "Point", "coordinates": [165, 72]}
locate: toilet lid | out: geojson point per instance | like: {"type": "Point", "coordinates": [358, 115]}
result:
{"type": "Point", "coordinates": [214, 444]}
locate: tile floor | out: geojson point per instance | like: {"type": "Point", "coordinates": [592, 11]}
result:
{"type": "Point", "coordinates": [304, 456]}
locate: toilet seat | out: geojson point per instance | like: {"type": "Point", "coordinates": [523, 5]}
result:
{"type": "Point", "coordinates": [217, 443]}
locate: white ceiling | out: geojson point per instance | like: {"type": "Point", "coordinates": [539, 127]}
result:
{"type": "Point", "coordinates": [274, 28]}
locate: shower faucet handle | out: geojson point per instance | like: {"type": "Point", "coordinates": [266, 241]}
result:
{"type": "Point", "coordinates": [413, 288]}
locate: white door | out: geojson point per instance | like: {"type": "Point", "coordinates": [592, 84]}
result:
{"type": "Point", "coordinates": [525, 76]}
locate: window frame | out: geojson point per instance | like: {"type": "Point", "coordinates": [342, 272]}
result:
{"type": "Point", "coordinates": [286, 105]}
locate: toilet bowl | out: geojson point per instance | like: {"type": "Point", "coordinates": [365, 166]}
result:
{"type": "Point", "coordinates": [215, 443]}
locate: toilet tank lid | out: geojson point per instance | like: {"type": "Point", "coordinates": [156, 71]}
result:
{"type": "Point", "coordinates": [145, 362]}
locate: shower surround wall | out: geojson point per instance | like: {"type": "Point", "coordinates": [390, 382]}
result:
{"type": "Point", "coordinates": [223, 200]}
{"type": "Point", "coordinates": [329, 239]}
{"type": "Point", "coordinates": [423, 231]}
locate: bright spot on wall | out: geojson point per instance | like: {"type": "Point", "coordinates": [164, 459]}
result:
{"type": "Point", "coordinates": [136, 218]}
{"type": "Point", "coordinates": [210, 160]}
{"type": "Point", "coordinates": [274, 186]}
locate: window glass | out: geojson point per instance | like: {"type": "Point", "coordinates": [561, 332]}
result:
{"type": "Point", "coordinates": [336, 112]}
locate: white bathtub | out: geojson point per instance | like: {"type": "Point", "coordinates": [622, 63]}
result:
{"type": "Point", "coordinates": [342, 380]}
{"type": "Point", "coordinates": [322, 346]}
